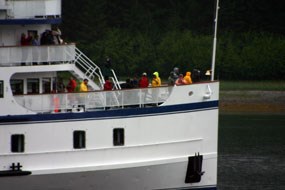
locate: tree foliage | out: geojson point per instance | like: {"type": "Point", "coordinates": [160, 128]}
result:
{"type": "Point", "coordinates": [145, 35]}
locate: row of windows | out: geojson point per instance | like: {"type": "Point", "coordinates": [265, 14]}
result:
{"type": "Point", "coordinates": [33, 86]}
{"type": "Point", "coordinates": [79, 140]}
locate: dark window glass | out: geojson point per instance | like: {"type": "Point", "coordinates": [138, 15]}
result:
{"type": "Point", "coordinates": [17, 143]}
{"type": "Point", "coordinates": [33, 86]}
{"type": "Point", "coordinates": [118, 137]}
{"type": "Point", "coordinates": [46, 87]}
{"type": "Point", "coordinates": [1, 89]}
{"type": "Point", "coordinates": [17, 86]}
{"type": "Point", "coordinates": [79, 139]}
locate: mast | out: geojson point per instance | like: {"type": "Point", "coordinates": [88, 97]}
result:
{"type": "Point", "coordinates": [215, 41]}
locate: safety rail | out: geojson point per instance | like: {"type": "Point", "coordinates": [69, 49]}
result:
{"type": "Point", "coordinates": [90, 69]}
{"type": "Point", "coordinates": [43, 54]}
{"type": "Point", "coordinates": [115, 80]}
{"type": "Point", "coordinates": [95, 100]}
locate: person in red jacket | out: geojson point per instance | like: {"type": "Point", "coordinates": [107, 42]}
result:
{"type": "Point", "coordinates": [143, 82]}
{"type": "Point", "coordinates": [71, 85]}
{"type": "Point", "coordinates": [108, 85]}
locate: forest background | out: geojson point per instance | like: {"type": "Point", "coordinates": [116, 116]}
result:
{"type": "Point", "coordinates": [157, 35]}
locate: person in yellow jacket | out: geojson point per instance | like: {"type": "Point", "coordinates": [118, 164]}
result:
{"type": "Point", "coordinates": [187, 78]}
{"type": "Point", "coordinates": [83, 86]}
{"type": "Point", "coordinates": [155, 80]}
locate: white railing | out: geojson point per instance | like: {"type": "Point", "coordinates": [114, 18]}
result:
{"type": "Point", "coordinates": [79, 102]}
{"type": "Point", "coordinates": [32, 9]}
{"type": "Point", "coordinates": [14, 55]}
{"type": "Point", "coordinates": [88, 67]}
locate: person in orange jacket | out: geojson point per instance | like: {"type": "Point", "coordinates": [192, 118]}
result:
{"type": "Point", "coordinates": [187, 78]}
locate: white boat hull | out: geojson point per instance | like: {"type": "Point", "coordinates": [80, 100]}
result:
{"type": "Point", "coordinates": [155, 154]}
{"type": "Point", "coordinates": [159, 176]}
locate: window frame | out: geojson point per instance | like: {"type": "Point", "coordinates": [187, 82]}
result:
{"type": "Point", "coordinates": [79, 139]}
{"type": "Point", "coordinates": [17, 143]}
{"type": "Point", "coordinates": [118, 136]}
{"type": "Point", "coordinates": [1, 89]}
{"type": "Point", "coordinates": [33, 86]}
{"type": "Point", "coordinates": [16, 83]}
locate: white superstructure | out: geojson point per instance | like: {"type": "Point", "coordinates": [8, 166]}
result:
{"type": "Point", "coordinates": [142, 138]}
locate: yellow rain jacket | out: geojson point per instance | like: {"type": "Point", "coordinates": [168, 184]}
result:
{"type": "Point", "coordinates": [155, 80]}
{"type": "Point", "coordinates": [83, 87]}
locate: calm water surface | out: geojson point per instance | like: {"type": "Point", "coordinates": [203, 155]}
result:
{"type": "Point", "coordinates": [251, 152]}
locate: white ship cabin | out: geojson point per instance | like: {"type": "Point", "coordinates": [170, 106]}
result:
{"type": "Point", "coordinates": [29, 73]}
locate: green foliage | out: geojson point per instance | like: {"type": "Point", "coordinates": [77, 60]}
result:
{"type": "Point", "coordinates": [147, 36]}
{"type": "Point", "coordinates": [251, 56]}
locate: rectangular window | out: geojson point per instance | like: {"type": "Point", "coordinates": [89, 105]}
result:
{"type": "Point", "coordinates": [33, 86]}
{"type": "Point", "coordinates": [46, 87]}
{"type": "Point", "coordinates": [79, 139]}
{"type": "Point", "coordinates": [118, 137]}
{"type": "Point", "coordinates": [17, 86]}
{"type": "Point", "coordinates": [1, 89]}
{"type": "Point", "coordinates": [18, 143]}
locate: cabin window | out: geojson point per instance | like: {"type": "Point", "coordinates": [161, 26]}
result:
{"type": "Point", "coordinates": [33, 86]}
{"type": "Point", "coordinates": [1, 89]}
{"type": "Point", "coordinates": [17, 143]}
{"type": "Point", "coordinates": [46, 87]}
{"type": "Point", "coordinates": [17, 86]}
{"type": "Point", "coordinates": [79, 139]}
{"type": "Point", "coordinates": [118, 137]}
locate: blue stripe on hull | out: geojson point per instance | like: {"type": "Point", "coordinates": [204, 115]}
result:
{"type": "Point", "coordinates": [29, 21]}
{"type": "Point", "coordinates": [111, 114]}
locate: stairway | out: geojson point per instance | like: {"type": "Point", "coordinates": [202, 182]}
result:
{"type": "Point", "coordinates": [84, 67]}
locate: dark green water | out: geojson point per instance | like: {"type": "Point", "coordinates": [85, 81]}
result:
{"type": "Point", "coordinates": [251, 152]}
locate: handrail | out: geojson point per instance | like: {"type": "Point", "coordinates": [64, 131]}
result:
{"type": "Point", "coordinates": [116, 82]}
{"type": "Point", "coordinates": [78, 102]}
{"type": "Point", "coordinates": [89, 67]}
{"type": "Point", "coordinates": [14, 55]}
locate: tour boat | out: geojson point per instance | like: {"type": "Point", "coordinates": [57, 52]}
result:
{"type": "Point", "coordinates": [141, 138]}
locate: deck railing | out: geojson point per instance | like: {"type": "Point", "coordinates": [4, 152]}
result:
{"type": "Point", "coordinates": [15, 55]}
{"type": "Point", "coordinates": [96, 100]}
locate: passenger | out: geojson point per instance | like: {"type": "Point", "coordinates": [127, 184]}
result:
{"type": "Point", "coordinates": [84, 86]}
{"type": "Point", "coordinates": [44, 38]}
{"type": "Point", "coordinates": [180, 80]}
{"type": "Point", "coordinates": [60, 87]}
{"type": "Point", "coordinates": [107, 68]}
{"type": "Point", "coordinates": [108, 85]}
{"type": "Point", "coordinates": [71, 85]}
{"type": "Point", "coordinates": [143, 82]}
{"type": "Point", "coordinates": [56, 33]}
{"type": "Point", "coordinates": [35, 42]}
{"type": "Point", "coordinates": [171, 80]}
{"type": "Point", "coordinates": [128, 84]}
{"type": "Point", "coordinates": [49, 38]}
{"type": "Point", "coordinates": [26, 40]}
{"type": "Point", "coordinates": [135, 82]}
{"type": "Point", "coordinates": [175, 73]}
{"type": "Point", "coordinates": [187, 78]}
{"type": "Point", "coordinates": [156, 82]}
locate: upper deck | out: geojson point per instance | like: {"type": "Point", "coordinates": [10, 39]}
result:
{"type": "Point", "coordinates": [15, 55]}
{"type": "Point", "coordinates": [30, 12]}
